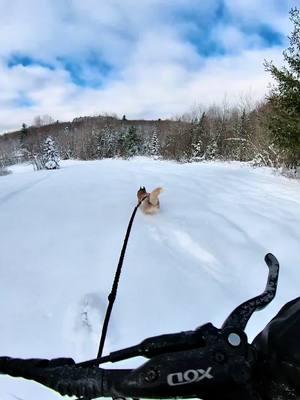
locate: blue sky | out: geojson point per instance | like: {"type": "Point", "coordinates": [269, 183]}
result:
{"type": "Point", "coordinates": [145, 59]}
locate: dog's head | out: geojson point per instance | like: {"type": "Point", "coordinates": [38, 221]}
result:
{"type": "Point", "coordinates": [141, 192]}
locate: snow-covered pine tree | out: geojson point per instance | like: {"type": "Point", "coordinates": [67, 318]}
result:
{"type": "Point", "coordinates": [50, 154]}
{"type": "Point", "coordinates": [236, 146]}
{"type": "Point", "coordinates": [131, 142]}
{"type": "Point", "coordinates": [67, 144]}
{"type": "Point", "coordinates": [23, 134]}
{"type": "Point", "coordinates": [154, 146]}
{"type": "Point", "coordinates": [199, 130]}
{"type": "Point", "coordinates": [107, 143]}
{"type": "Point", "coordinates": [211, 150]}
{"type": "Point", "coordinates": [197, 150]}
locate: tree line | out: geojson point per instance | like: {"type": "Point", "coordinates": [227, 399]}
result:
{"type": "Point", "coordinates": [267, 133]}
{"type": "Point", "coordinates": [224, 133]}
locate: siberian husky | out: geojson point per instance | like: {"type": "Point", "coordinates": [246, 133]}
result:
{"type": "Point", "coordinates": [151, 203]}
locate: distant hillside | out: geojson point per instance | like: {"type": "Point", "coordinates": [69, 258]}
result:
{"type": "Point", "coordinates": [78, 124]}
{"type": "Point", "coordinates": [89, 137]}
{"type": "Point", "coordinates": [227, 134]}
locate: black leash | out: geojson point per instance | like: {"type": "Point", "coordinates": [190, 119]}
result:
{"type": "Point", "coordinates": [113, 293]}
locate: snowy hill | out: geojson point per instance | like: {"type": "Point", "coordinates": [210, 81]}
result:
{"type": "Point", "coordinates": [62, 231]}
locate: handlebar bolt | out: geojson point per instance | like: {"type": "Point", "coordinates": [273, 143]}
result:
{"type": "Point", "coordinates": [234, 339]}
{"type": "Point", "coordinates": [151, 376]}
{"type": "Point", "coordinates": [219, 357]}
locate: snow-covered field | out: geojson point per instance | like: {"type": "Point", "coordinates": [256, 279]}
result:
{"type": "Point", "coordinates": [60, 237]}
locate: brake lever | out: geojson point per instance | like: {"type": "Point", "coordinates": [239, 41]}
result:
{"type": "Point", "coordinates": [236, 322]}
{"type": "Point", "coordinates": [240, 316]}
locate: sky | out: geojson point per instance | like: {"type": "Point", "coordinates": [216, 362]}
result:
{"type": "Point", "coordinates": [146, 59]}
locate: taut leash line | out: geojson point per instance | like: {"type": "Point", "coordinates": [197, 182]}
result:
{"type": "Point", "coordinates": [113, 293]}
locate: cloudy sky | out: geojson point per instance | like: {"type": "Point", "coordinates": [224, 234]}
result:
{"type": "Point", "coordinates": [142, 58]}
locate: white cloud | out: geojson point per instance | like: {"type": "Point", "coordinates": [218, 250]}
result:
{"type": "Point", "coordinates": [271, 12]}
{"type": "Point", "coordinates": [156, 70]}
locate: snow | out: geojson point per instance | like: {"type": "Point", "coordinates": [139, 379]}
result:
{"type": "Point", "coordinates": [201, 256]}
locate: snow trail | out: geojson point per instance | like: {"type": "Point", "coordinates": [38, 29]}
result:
{"type": "Point", "coordinates": [61, 233]}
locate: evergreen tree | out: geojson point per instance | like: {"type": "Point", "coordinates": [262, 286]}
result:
{"type": "Point", "coordinates": [67, 144]}
{"type": "Point", "coordinates": [90, 146]}
{"type": "Point", "coordinates": [100, 145]}
{"type": "Point", "coordinates": [131, 142]}
{"type": "Point", "coordinates": [243, 136]}
{"type": "Point", "coordinates": [199, 131]}
{"type": "Point", "coordinates": [154, 145]}
{"type": "Point", "coordinates": [50, 154]}
{"type": "Point", "coordinates": [197, 151]}
{"type": "Point", "coordinates": [285, 98]}
{"type": "Point", "coordinates": [170, 147]}
{"type": "Point", "coordinates": [107, 142]}
{"type": "Point", "coordinates": [23, 135]}
{"type": "Point", "coordinates": [211, 150]}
